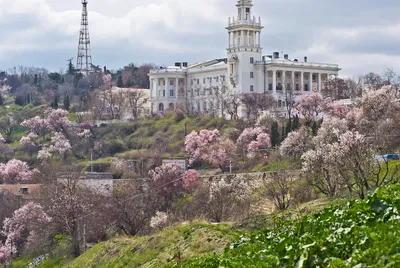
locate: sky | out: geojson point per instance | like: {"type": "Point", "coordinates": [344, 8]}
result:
{"type": "Point", "coordinates": [361, 36]}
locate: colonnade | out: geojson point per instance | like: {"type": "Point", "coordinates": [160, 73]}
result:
{"type": "Point", "coordinates": [280, 77]}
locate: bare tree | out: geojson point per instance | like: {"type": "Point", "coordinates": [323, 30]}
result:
{"type": "Point", "coordinates": [136, 98]}
{"type": "Point", "coordinates": [336, 89]}
{"type": "Point", "coordinates": [256, 103]}
{"type": "Point", "coordinates": [373, 80]}
{"type": "Point", "coordinates": [133, 207]}
{"type": "Point", "coordinates": [279, 189]}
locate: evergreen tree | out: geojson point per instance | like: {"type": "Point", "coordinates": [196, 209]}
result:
{"type": "Point", "coordinates": [119, 81]}
{"type": "Point", "coordinates": [71, 68]}
{"type": "Point", "coordinates": [314, 129]}
{"type": "Point", "coordinates": [296, 122]}
{"type": "Point", "coordinates": [274, 134]}
{"type": "Point", "coordinates": [288, 127]}
{"type": "Point", "coordinates": [66, 103]}
{"type": "Point", "coordinates": [283, 136]}
{"type": "Point", "coordinates": [54, 104]}
{"type": "Point", "coordinates": [35, 80]}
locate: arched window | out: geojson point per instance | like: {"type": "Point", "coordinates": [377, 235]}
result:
{"type": "Point", "coordinates": [161, 107]}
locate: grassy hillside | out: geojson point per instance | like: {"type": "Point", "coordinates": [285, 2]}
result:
{"type": "Point", "coordinates": [348, 234]}
{"type": "Point", "coordinates": [177, 243]}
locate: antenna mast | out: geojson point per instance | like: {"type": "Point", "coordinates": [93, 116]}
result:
{"type": "Point", "coordinates": [84, 59]}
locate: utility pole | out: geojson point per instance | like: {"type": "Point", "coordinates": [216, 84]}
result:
{"type": "Point", "coordinates": [84, 236]}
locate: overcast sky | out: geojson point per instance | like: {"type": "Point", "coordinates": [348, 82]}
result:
{"type": "Point", "coordinates": [359, 35]}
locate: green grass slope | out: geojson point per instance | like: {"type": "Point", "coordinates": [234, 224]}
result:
{"type": "Point", "coordinates": [172, 245]}
{"type": "Point", "coordinates": [360, 234]}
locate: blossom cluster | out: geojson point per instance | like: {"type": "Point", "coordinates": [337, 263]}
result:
{"type": "Point", "coordinates": [252, 140]}
{"type": "Point", "coordinates": [15, 171]}
{"type": "Point", "coordinates": [28, 219]}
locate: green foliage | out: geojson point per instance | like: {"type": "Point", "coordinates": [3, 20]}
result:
{"type": "Point", "coordinates": [288, 127]}
{"type": "Point", "coordinates": [275, 134]}
{"type": "Point", "coordinates": [67, 103]}
{"type": "Point", "coordinates": [120, 82]}
{"type": "Point", "coordinates": [359, 234]}
{"type": "Point", "coordinates": [296, 122]}
{"type": "Point", "coordinates": [177, 243]}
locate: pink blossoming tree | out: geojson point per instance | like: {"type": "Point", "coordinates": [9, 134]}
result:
{"type": "Point", "coordinates": [252, 140]}
{"type": "Point", "coordinates": [297, 143]}
{"type": "Point", "coordinates": [15, 171]}
{"type": "Point", "coordinates": [208, 146]}
{"type": "Point", "coordinates": [310, 105]}
{"type": "Point", "coordinates": [171, 181]}
{"type": "Point", "coordinates": [26, 222]}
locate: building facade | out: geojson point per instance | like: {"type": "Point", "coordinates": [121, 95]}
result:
{"type": "Point", "coordinates": [245, 70]}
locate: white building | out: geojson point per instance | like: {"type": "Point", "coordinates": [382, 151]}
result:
{"type": "Point", "coordinates": [245, 70]}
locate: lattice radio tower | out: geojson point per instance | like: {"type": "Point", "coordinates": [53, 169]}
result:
{"type": "Point", "coordinates": [84, 60]}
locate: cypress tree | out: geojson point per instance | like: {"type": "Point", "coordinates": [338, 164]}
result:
{"type": "Point", "coordinates": [288, 127]}
{"type": "Point", "coordinates": [274, 134]}
{"type": "Point", "coordinates": [314, 129]}
{"type": "Point", "coordinates": [66, 103]}
{"type": "Point", "coordinates": [283, 136]}
{"type": "Point", "coordinates": [296, 122]}
{"type": "Point", "coordinates": [119, 81]}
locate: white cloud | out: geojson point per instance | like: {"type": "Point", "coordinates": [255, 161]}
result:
{"type": "Point", "coordinates": [161, 30]}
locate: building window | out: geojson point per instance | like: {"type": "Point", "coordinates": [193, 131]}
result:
{"type": "Point", "coordinates": [23, 190]}
{"type": "Point", "coordinates": [171, 83]}
{"type": "Point", "coordinates": [251, 60]}
{"type": "Point", "coordinates": [204, 80]}
{"type": "Point", "coordinates": [279, 103]}
{"type": "Point", "coordinates": [314, 77]}
{"type": "Point", "coordinates": [198, 81]}
{"type": "Point", "coordinates": [279, 87]}
{"type": "Point", "coordinates": [164, 83]}
{"type": "Point", "coordinates": [297, 87]}
{"type": "Point", "coordinates": [251, 74]}
{"type": "Point", "coordinates": [171, 93]}
{"type": "Point", "coordinates": [279, 75]}
{"type": "Point", "coordinates": [251, 88]}
{"type": "Point", "coordinates": [163, 93]}
{"type": "Point", "coordinates": [217, 78]}
{"type": "Point", "coordinates": [305, 87]}
{"type": "Point", "coordinates": [270, 87]}
{"type": "Point", "coordinates": [247, 9]}
{"type": "Point", "coordinates": [288, 86]}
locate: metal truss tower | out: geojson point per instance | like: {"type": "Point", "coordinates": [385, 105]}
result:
{"type": "Point", "coordinates": [84, 60]}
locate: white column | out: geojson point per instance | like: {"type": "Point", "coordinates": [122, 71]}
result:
{"type": "Point", "coordinates": [229, 41]}
{"type": "Point", "coordinates": [254, 38]}
{"type": "Point", "coordinates": [310, 83]}
{"type": "Point", "coordinates": [274, 81]}
{"type": "Point", "coordinates": [157, 94]}
{"type": "Point", "coordinates": [319, 82]}
{"type": "Point", "coordinates": [166, 88]}
{"type": "Point", "coordinates": [233, 39]}
{"type": "Point", "coordinates": [326, 80]}
{"type": "Point", "coordinates": [176, 87]}
{"type": "Point", "coordinates": [302, 81]}
{"type": "Point", "coordinates": [259, 39]}
{"type": "Point", "coordinates": [151, 95]}
{"type": "Point", "coordinates": [266, 81]}
{"type": "Point", "coordinates": [292, 80]}
{"type": "Point", "coordinates": [283, 81]}
{"type": "Point", "coordinates": [248, 38]}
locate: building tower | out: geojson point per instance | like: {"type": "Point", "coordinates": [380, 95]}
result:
{"type": "Point", "coordinates": [84, 60]}
{"type": "Point", "coordinates": [244, 47]}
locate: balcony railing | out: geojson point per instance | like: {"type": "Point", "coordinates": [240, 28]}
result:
{"type": "Point", "coordinates": [168, 70]}
{"type": "Point", "coordinates": [304, 64]}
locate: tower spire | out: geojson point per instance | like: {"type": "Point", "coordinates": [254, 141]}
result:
{"type": "Point", "coordinates": [84, 59]}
